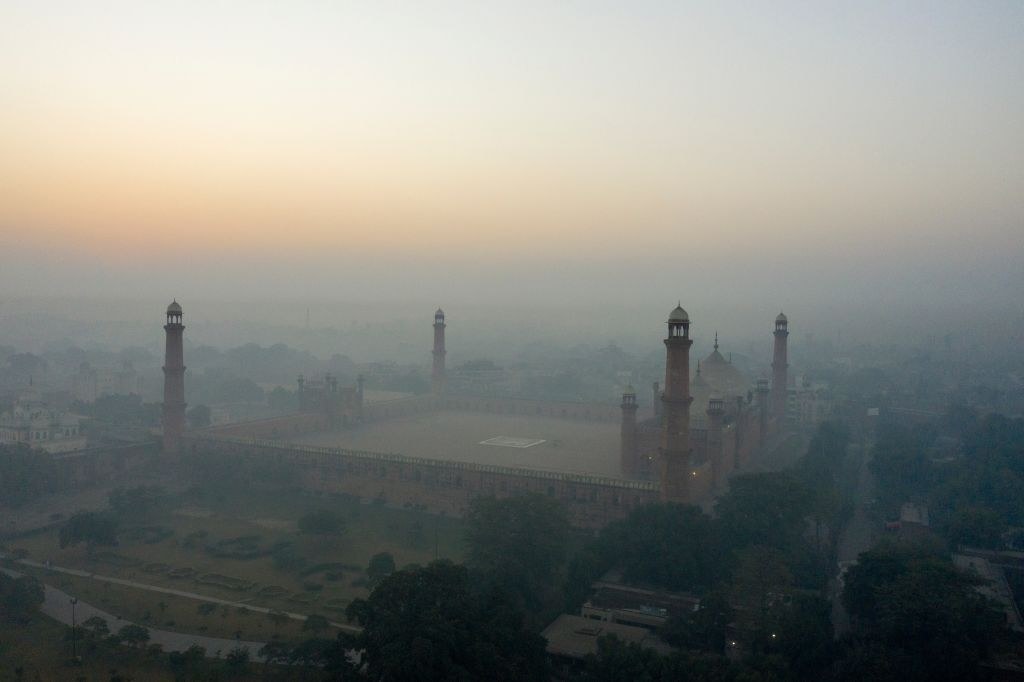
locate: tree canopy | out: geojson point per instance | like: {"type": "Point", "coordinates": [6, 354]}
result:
{"type": "Point", "coordinates": [517, 543]}
{"type": "Point", "coordinates": [926, 618]}
{"type": "Point", "coordinates": [92, 528]}
{"type": "Point", "coordinates": [670, 545]}
{"type": "Point", "coordinates": [322, 522]}
{"type": "Point", "coordinates": [430, 623]}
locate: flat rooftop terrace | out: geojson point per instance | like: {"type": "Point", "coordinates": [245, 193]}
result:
{"type": "Point", "coordinates": [515, 441]}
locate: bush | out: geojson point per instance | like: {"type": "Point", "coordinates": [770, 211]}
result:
{"type": "Point", "coordinates": [322, 522]}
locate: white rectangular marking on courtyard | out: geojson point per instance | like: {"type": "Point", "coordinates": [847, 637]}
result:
{"type": "Point", "coordinates": [510, 442]}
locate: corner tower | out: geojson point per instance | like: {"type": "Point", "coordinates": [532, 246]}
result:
{"type": "Point", "coordinates": [716, 414]}
{"type": "Point", "coordinates": [780, 374]}
{"type": "Point", "coordinates": [174, 380]}
{"type": "Point", "coordinates": [628, 447]}
{"type": "Point", "coordinates": [675, 442]}
{"type": "Point", "coordinates": [437, 375]}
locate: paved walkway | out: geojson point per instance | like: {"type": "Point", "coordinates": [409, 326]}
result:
{"type": "Point", "coordinates": [171, 591]}
{"type": "Point", "coordinates": [57, 605]}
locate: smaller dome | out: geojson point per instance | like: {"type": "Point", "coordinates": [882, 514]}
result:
{"type": "Point", "coordinates": [781, 318]}
{"type": "Point", "coordinates": [174, 308]}
{"type": "Point", "coordinates": [679, 315]}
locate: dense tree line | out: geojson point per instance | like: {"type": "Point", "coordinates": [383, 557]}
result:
{"type": "Point", "coordinates": [917, 618]}
{"type": "Point", "coordinates": [973, 496]}
{"type": "Point", "coordinates": [25, 474]}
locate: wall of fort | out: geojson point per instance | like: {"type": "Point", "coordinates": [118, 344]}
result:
{"type": "Point", "coordinates": [437, 485]}
{"type": "Point", "coordinates": [448, 486]}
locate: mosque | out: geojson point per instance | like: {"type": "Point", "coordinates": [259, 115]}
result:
{"type": "Point", "coordinates": [439, 450]}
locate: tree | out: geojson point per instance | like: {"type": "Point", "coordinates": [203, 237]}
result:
{"type": "Point", "coordinates": [25, 474]}
{"type": "Point", "coordinates": [381, 566]}
{"type": "Point", "coordinates": [187, 664]}
{"type": "Point", "coordinates": [517, 543]}
{"type": "Point", "coordinates": [805, 638]}
{"type": "Point", "coordinates": [322, 522]}
{"type": "Point", "coordinates": [92, 528]}
{"type": "Point", "coordinates": [96, 626]}
{"type": "Point", "coordinates": [923, 615]}
{"type": "Point", "coordinates": [135, 502]}
{"type": "Point", "coordinates": [703, 629]}
{"type": "Point", "coordinates": [976, 527]}
{"type": "Point", "coordinates": [281, 399]}
{"type": "Point", "coordinates": [616, 660]}
{"type": "Point", "coordinates": [133, 635]}
{"type": "Point", "coordinates": [198, 417]}
{"type": "Point", "coordinates": [669, 545]}
{"type": "Point", "coordinates": [237, 661]}
{"type": "Point", "coordinates": [315, 623]}
{"type": "Point", "coordinates": [875, 568]}
{"type": "Point", "coordinates": [428, 622]}
{"type": "Point", "coordinates": [278, 618]}
{"type": "Point", "coordinates": [761, 586]}
{"type": "Point", "coordinates": [20, 597]}
{"type": "Point", "coordinates": [764, 508]}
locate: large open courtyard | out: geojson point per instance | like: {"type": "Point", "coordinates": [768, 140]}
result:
{"type": "Point", "coordinates": [504, 440]}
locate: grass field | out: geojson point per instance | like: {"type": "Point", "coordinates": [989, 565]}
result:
{"type": "Point", "coordinates": [332, 576]}
{"type": "Point", "coordinates": [39, 651]}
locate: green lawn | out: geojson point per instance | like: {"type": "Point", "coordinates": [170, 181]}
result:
{"type": "Point", "coordinates": [38, 649]}
{"type": "Point", "coordinates": [269, 519]}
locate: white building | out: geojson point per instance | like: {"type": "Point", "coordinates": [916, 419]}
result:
{"type": "Point", "coordinates": [32, 422]}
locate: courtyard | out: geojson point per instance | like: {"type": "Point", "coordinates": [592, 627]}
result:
{"type": "Point", "coordinates": [520, 441]}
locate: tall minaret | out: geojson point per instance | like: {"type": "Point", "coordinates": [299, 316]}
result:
{"type": "Point", "coordinates": [762, 410]}
{"type": "Point", "coordinates": [779, 372]}
{"type": "Point", "coordinates": [716, 412]}
{"type": "Point", "coordinates": [675, 442]}
{"type": "Point", "coordinates": [628, 460]}
{"type": "Point", "coordinates": [437, 376]}
{"type": "Point", "coordinates": [174, 380]}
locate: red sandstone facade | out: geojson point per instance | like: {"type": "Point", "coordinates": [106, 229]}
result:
{"type": "Point", "coordinates": [437, 374]}
{"type": "Point", "coordinates": [693, 463]}
{"type": "Point", "coordinates": [780, 367]}
{"type": "Point", "coordinates": [675, 444]}
{"type": "Point", "coordinates": [174, 380]}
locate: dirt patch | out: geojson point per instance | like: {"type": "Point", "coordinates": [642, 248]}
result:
{"type": "Point", "coordinates": [194, 512]}
{"type": "Point", "coordinates": [274, 524]}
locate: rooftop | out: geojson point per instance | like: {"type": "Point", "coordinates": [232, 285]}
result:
{"type": "Point", "coordinates": [576, 636]}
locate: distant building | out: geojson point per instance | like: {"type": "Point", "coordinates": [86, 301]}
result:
{"type": "Point", "coordinates": [33, 422]}
{"type": "Point", "coordinates": [995, 586]}
{"type": "Point", "coordinates": [90, 383]}
{"type": "Point", "coordinates": [629, 605]}
{"type": "Point", "coordinates": [572, 638]}
{"type": "Point", "coordinates": [809, 403]}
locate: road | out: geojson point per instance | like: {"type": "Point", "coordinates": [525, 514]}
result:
{"type": "Point", "coordinates": [168, 590]}
{"type": "Point", "coordinates": [857, 537]}
{"type": "Point", "coordinates": [57, 605]}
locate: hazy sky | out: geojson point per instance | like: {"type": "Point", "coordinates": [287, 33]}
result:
{"type": "Point", "coordinates": [766, 152]}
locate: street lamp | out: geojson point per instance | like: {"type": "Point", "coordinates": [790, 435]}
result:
{"type": "Point", "coordinates": [74, 630]}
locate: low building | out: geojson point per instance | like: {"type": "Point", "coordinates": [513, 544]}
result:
{"type": "Point", "coordinates": [995, 586]}
{"type": "Point", "coordinates": [572, 638]}
{"type": "Point", "coordinates": [628, 605]}
{"type": "Point", "coordinates": [33, 422]}
{"type": "Point", "coordinates": [90, 383]}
